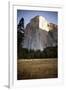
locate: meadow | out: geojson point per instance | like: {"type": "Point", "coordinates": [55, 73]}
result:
{"type": "Point", "coordinates": [37, 68]}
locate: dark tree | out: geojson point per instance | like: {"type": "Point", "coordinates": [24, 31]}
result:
{"type": "Point", "coordinates": [20, 36]}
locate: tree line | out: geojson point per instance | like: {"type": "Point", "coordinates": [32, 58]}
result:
{"type": "Point", "coordinates": [49, 52]}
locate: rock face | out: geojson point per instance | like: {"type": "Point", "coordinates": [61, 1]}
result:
{"type": "Point", "coordinates": [40, 34]}
{"type": "Point", "coordinates": [39, 22]}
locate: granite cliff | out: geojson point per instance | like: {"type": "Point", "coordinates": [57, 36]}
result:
{"type": "Point", "coordinates": [39, 34]}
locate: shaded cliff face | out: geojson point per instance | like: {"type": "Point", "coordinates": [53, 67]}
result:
{"type": "Point", "coordinates": [52, 39]}
{"type": "Point", "coordinates": [40, 34]}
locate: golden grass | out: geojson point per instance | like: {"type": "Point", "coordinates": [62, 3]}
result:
{"type": "Point", "coordinates": [37, 68]}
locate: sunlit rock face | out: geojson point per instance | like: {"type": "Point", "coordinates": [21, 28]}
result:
{"type": "Point", "coordinates": [39, 34]}
{"type": "Point", "coordinates": [39, 22]}
{"type": "Point", "coordinates": [43, 23]}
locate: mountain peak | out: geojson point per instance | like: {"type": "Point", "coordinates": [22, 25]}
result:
{"type": "Point", "coordinates": [39, 22]}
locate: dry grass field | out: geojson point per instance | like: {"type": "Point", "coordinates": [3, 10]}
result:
{"type": "Point", "coordinates": [37, 68]}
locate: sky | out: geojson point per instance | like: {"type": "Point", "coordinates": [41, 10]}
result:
{"type": "Point", "coordinates": [50, 16]}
